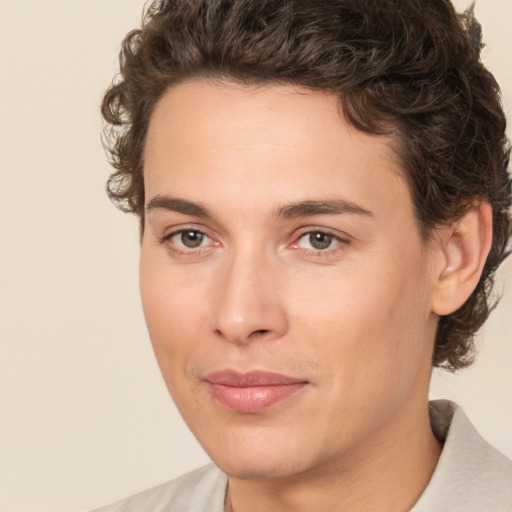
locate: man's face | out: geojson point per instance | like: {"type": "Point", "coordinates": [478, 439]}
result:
{"type": "Point", "coordinates": [285, 285]}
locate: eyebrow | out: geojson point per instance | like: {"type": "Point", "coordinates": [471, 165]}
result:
{"type": "Point", "coordinates": [299, 209]}
{"type": "Point", "coordinates": [320, 207]}
{"type": "Point", "coordinates": [183, 206]}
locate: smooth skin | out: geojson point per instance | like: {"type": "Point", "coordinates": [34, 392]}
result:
{"type": "Point", "coordinates": [279, 238]}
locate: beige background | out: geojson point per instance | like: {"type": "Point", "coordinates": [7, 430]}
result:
{"type": "Point", "coordinates": [85, 418]}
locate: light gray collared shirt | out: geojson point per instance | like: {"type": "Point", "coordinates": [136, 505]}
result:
{"type": "Point", "coordinates": [471, 476]}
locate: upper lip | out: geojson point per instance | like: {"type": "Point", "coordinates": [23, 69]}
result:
{"type": "Point", "coordinates": [253, 378]}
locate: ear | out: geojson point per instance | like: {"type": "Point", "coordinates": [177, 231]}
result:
{"type": "Point", "coordinates": [463, 249]}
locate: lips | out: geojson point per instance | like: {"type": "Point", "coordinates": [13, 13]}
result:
{"type": "Point", "coordinates": [252, 392]}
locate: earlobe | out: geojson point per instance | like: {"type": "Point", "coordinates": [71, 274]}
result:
{"type": "Point", "coordinates": [464, 247]}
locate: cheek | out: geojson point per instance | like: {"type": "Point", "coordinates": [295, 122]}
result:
{"type": "Point", "coordinates": [173, 313]}
{"type": "Point", "coordinates": [367, 322]}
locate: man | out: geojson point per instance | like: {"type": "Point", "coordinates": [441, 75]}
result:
{"type": "Point", "coordinates": [324, 199]}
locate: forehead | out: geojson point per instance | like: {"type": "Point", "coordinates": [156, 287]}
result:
{"type": "Point", "coordinates": [270, 144]}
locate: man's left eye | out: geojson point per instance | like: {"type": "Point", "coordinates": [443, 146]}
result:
{"type": "Point", "coordinates": [317, 240]}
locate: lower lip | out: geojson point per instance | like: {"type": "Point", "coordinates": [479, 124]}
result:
{"type": "Point", "coordinates": [253, 399]}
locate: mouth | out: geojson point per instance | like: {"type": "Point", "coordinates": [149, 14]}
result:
{"type": "Point", "coordinates": [252, 392]}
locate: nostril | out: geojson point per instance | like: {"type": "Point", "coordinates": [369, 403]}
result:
{"type": "Point", "coordinates": [259, 332]}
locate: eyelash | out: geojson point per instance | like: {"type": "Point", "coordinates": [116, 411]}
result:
{"type": "Point", "coordinates": [339, 245]}
{"type": "Point", "coordinates": [166, 240]}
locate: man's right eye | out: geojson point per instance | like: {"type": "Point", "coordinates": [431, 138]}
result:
{"type": "Point", "coordinates": [191, 239]}
{"type": "Point", "coordinates": [187, 239]}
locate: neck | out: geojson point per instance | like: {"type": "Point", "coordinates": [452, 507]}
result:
{"type": "Point", "coordinates": [386, 473]}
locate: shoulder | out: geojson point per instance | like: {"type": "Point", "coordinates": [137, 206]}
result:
{"type": "Point", "coordinates": [471, 475]}
{"type": "Point", "coordinates": [201, 490]}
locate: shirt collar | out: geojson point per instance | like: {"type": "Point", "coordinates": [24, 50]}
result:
{"type": "Point", "coordinates": [471, 475]}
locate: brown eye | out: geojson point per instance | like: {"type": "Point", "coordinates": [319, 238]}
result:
{"type": "Point", "coordinates": [192, 239]}
{"type": "Point", "coordinates": [317, 241]}
{"type": "Point", "coordinates": [320, 241]}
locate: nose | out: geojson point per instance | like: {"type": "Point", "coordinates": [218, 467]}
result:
{"type": "Point", "coordinates": [248, 304]}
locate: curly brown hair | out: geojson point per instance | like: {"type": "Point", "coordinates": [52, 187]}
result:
{"type": "Point", "coordinates": [407, 67]}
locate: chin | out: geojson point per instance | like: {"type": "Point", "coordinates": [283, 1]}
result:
{"type": "Point", "coordinates": [261, 460]}
{"type": "Point", "coordinates": [258, 470]}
